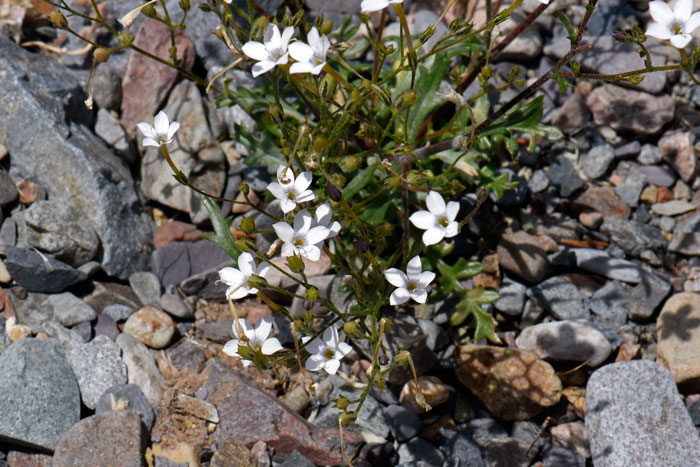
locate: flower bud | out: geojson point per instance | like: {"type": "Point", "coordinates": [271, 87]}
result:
{"type": "Point", "coordinates": [402, 357]}
{"type": "Point", "coordinates": [244, 188]}
{"type": "Point", "coordinates": [326, 27]}
{"type": "Point", "coordinates": [244, 244]}
{"type": "Point", "coordinates": [296, 264]}
{"type": "Point", "coordinates": [380, 383]}
{"type": "Point", "coordinates": [383, 360]}
{"type": "Point", "coordinates": [351, 328]}
{"type": "Point", "coordinates": [58, 20]}
{"type": "Point", "coordinates": [248, 225]}
{"type": "Point", "coordinates": [276, 112]}
{"type": "Point", "coordinates": [338, 180]}
{"type": "Point", "coordinates": [149, 10]}
{"type": "Point", "coordinates": [257, 282]}
{"type": "Point", "coordinates": [101, 55]}
{"type": "Point", "coordinates": [185, 4]}
{"type": "Point", "coordinates": [320, 142]}
{"type": "Point", "coordinates": [312, 293]}
{"type": "Point", "coordinates": [361, 246]}
{"type": "Point", "coordinates": [308, 304]}
{"type": "Point", "coordinates": [349, 164]}
{"type": "Point", "coordinates": [346, 418]}
{"type": "Point", "coordinates": [427, 34]}
{"type": "Point", "coordinates": [333, 193]}
{"type": "Point", "coordinates": [386, 324]}
{"type": "Point", "coordinates": [384, 229]}
{"type": "Point", "coordinates": [619, 36]}
{"type": "Point", "coordinates": [342, 402]}
{"type": "Point", "coordinates": [406, 99]}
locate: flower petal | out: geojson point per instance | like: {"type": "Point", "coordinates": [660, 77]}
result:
{"type": "Point", "coordinates": [343, 350]}
{"type": "Point", "coordinates": [317, 235]}
{"type": "Point", "coordinates": [452, 229]}
{"type": "Point", "coordinates": [286, 37]}
{"type": "Point", "coordinates": [681, 40]}
{"type": "Point", "coordinates": [323, 214]}
{"type": "Point", "coordinates": [301, 52]}
{"type": "Point", "coordinates": [313, 37]}
{"type": "Point", "coordinates": [246, 264]}
{"type": "Point", "coordinates": [277, 190]}
{"type": "Point", "coordinates": [262, 330]}
{"type": "Point", "coordinates": [285, 176]}
{"type": "Point", "coordinates": [682, 10]}
{"type": "Point", "coordinates": [147, 130]}
{"type": "Point", "coordinates": [284, 231]}
{"type": "Point", "coordinates": [231, 348]}
{"type": "Point", "coordinates": [396, 277]}
{"type": "Point", "coordinates": [419, 295]}
{"type": "Point", "coordinates": [172, 129]}
{"type": "Point", "coordinates": [425, 279]}
{"type": "Point", "coordinates": [433, 236]}
{"type": "Point", "coordinates": [661, 13]}
{"type": "Point", "coordinates": [161, 123]}
{"type": "Point", "coordinates": [272, 35]}
{"type": "Point", "coordinates": [332, 366]}
{"type": "Point", "coordinates": [369, 6]}
{"type": "Point", "coordinates": [301, 67]}
{"type": "Point", "coordinates": [303, 182]}
{"type": "Point", "coordinates": [423, 220]}
{"type": "Point", "coordinates": [150, 142]}
{"type": "Point", "coordinates": [315, 70]}
{"type": "Point", "coordinates": [692, 23]}
{"type": "Point", "coordinates": [399, 296]}
{"type": "Point", "coordinates": [256, 51]}
{"type": "Point", "coordinates": [314, 363]}
{"type": "Point", "coordinates": [263, 269]}
{"type": "Point", "coordinates": [262, 66]}
{"type": "Point", "coordinates": [271, 346]}
{"type": "Point", "coordinates": [305, 196]}
{"type": "Point", "coordinates": [302, 222]}
{"type": "Point", "coordinates": [435, 203]}
{"type": "Point", "coordinates": [452, 210]}
{"type": "Point", "coordinates": [413, 269]}
{"type": "Point", "coordinates": [330, 337]}
{"type": "Point", "coordinates": [311, 252]}
{"type": "Point", "coordinates": [316, 346]}
{"type": "Point", "coordinates": [659, 31]}
{"type": "Point", "coordinates": [287, 205]}
{"type": "Point", "coordinates": [237, 292]}
{"type": "Point", "coordinates": [288, 250]}
{"type": "Point", "coordinates": [232, 276]}
{"type": "Point", "coordinates": [335, 229]}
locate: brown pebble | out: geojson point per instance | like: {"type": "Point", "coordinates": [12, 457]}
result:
{"type": "Point", "coordinates": [151, 326]}
{"type": "Point", "coordinates": [663, 194]}
{"type": "Point", "coordinates": [30, 192]}
{"type": "Point", "coordinates": [434, 391]}
{"type": "Point", "coordinates": [240, 208]}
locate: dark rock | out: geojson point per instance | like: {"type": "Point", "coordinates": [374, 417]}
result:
{"type": "Point", "coordinates": [512, 298]}
{"type": "Point", "coordinates": [632, 236]}
{"type": "Point", "coordinates": [40, 397]}
{"type": "Point", "coordinates": [630, 149]}
{"type": "Point", "coordinates": [187, 354]}
{"type": "Point", "coordinates": [686, 236]}
{"type": "Point", "coordinates": [295, 459]}
{"type": "Point", "coordinates": [107, 87]}
{"type": "Point", "coordinates": [126, 397]}
{"type": "Point", "coordinates": [508, 451]}
{"type": "Point", "coordinates": [8, 190]}
{"type": "Point", "coordinates": [177, 261]}
{"type": "Point", "coordinates": [40, 273]}
{"type": "Point", "coordinates": [564, 176]}
{"type": "Point", "coordinates": [514, 197]}
{"type": "Point", "coordinates": [420, 452]}
{"type": "Point", "coordinates": [558, 455]}
{"type": "Point", "coordinates": [561, 299]}
{"type": "Point", "coordinates": [646, 296]}
{"type": "Point", "coordinates": [460, 450]}
{"type": "Point", "coordinates": [630, 111]}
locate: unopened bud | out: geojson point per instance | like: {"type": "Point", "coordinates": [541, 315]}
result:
{"type": "Point", "coordinates": [402, 357]}
{"type": "Point", "coordinates": [383, 360]}
{"type": "Point", "coordinates": [257, 282]}
{"type": "Point", "coordinates": [386, 324]}
{"type": "Point", "coordinates": [320, 142]}
{"type": "Point", "coordinates": [427, 34]}
{"type": "Point", "coordinates": [101, 55]}
{"type": "Point", "coordinates": [245, 244]}
{"type": "Point", "coordinates": [244, 188]}
{"type": "Point", "coordinates": [296, 264]}
{"type": "Point", "coordinates": [361, 246]}
{"type": "Point", "coordinates": [248, 225]}
{"type": "Point", "coordinates": [351, 328]}
{"type": "Point", "coordinates": [312, 293]}
{"type": "Point", "coordinates": [380, 383]}
{"type": "Point", "coordinates": [58, 20]}
{"type": "Point", "coordinates": [349, 164]}
{"type": "Point", "coordinates": [149, 10]}
{"type": "Point", "coordinates": [185, 5]}
{"type": "Point", "coordinates": [342, 402]}
{"type": "Point", "coordinates": [346, 418]}
{"type": "Point", "coordinates": [308, 304]}
{"type": "Point", "coordinates": [338, 180]}
{"type": "Point", "coordinates": [619, 36]}
{"type": "Point", "coordinates": [326, 27]}
{"type": "Point", "coordinates": [333, 193]}
{"type": "Point", "coordinates": [406, 99]}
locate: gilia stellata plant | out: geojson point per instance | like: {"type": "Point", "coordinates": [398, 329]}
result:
{"type": "Point", "coordinates": [362, 133]}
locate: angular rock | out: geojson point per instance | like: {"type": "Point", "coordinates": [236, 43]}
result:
{"type": "Point", "coordinates": [8, 190]}
{"type": "Point", "coordinates": [609, 310]}
{"type": "Point", "coordinates": [403, 421]}
{"type": "Point", "coordinates": [678, 149]}
{"type": "Point", "coordinates": [566, 341]}
{"type": "Point", "coordinates": [635, 416]}
{"type": "Point", "coordinates": [605, 201]}
{"type": "Point", "coordinates": [686, 236]}
{"type": "Point", "coordinates": [659, 175]}
{"type": "Point", "coordinates": [117, 300]}
{"type": "Point", "coordinates": [97, 366]}
{"type": "Point", "coordinates": [113, 438]}
{"type": "Point", "coordinates": [141, 368]}
{"type": "Point", "coordinates": [630, 111]}
{"type": "Point", "coordinates": [678, 337]}
{"type": "Point", "coordinates": [599, 262]}
{"type": "Point", "coordinates": [632, 236]}
{"type": "Point", "coordinates": [146, 286]}
{"type": "Point", "coordinates": [560, 298]}
{"type": "Point", "coordinates": [573, 114]}
{"type": "Point", "coordinates": [65, 339]}
{"type": "Point", "coordinates": [65, 308]}
{"type": "Point", "coordinates": [111, 131]}
{"type": "Point", "coordinates": [177, 261]}
{"type": "Point", "coordinates": [631, 189]}
{"type": "Point", "coordinates": [646, 296]}
{"type": "Point", "coordinates": [513, 384]}
{"type": "Point", "coordinates": [40, 273]}
{"type": "Point", "coordinates": [40, 397]}
{"type": "Point", "coordinates": [512, 298]}
{"type": "Point", "coordinates": [521, 254]}
{"type": "Point", "coordinates": [107, 87]}
{"type": "Point", "coordinates": [597, 161]}
{"type": "Point", "coordinates": [126, 397]}
{"type": "Point", "coordinates": [564, 176]}
{"type": "Point", "coordinates": [419, 452]}
{"type": "Point", "coordinates": [187, 354]}
{"type": "Point", "coordinates": [508, 451]}
{"type": "Point", "coordinates": [650, 155]}
{"type": "Point", "coordinates": [672, 208]}
{"type": "Point", "coordinates": [250, 415]}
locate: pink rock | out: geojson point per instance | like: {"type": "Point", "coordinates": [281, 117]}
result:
{"type": "Point", "coordinates": [678, 149]}
{"type": "Point", "coordinates": [146, 83]}
{"type": "Point", "coordinates": [176, 231]}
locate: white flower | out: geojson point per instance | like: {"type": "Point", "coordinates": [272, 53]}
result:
{"type": "Point", "coordinates": [327, 353]}
{"type": "Point", "coordinates": [162, 131]}
{"type": "Point", "coordinates": [290, 191]}
{"type": "Point", "coordinates": [237, 279]}
{"type": "Point", "coordinates": [376, 5]}
{"type": "Point", "coordinates": [311, 57]}
{"type": "Point", "coordinates": [257, 339]}
{"type": "Point", "coordinates": [438, 221]}
{"type": "Point", "coordinates": [323, 216]}
{"type": "Point", "coordinates": [546, 2]}
{"type": "Point", "coordinates": [675, 25]}
{"type": "Point", "coordinates": [411, 285]}
{"type": "Point", "coordinates": [272, 52]}
{"type": "Point", "coordinates": [303, 239]}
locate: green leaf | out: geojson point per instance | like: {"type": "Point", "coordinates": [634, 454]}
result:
{"type": "Point", "coordinates": [481, 295]}
{"type": "Point", "coordinates": [222, 235]}
{"type": "Point", "coordinates": [376, 214]}
{"type": "Point", "coordinates": [485, 325]}
{"type": "Point", "coordinates": [359, 181]}
{"type": "Point", "coordinates": [263, 150]}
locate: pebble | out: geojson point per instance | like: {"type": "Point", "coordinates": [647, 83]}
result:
{"type": "Point", "coordinates": [234, 454]}
{"type": "Point", "coordinates": [605, 201]}
{"type": "Point", "coordinates": [571, 436]}
{"type": "Point", "coordinates": [560, 298]}
{"type": "Point", "coordinates": [420, 452]}
{"type": "Point", "coordinates": [106, 326]}
{"type": "Point", "coordinates": [631, 189]}
{"type": "Point", "coordinates": [508, 451]}
{"type": "Point", "coordinates": [599, 262]}
{"type": "Point", "coordinates": [141, 368]}
{"type": "Point", "coordinates": [187, 354]}
{"type": "Point", "coordinates": [564, 176]}
{"type": "Point", "coordinates": [460, 450]}
{"type": "Point", "coordinates": [538, 182]}
{"type": "Point", "coordinates": [484, 430]}
{"type": "Point", "coordinates": [650, 155]}
{"type": "Point", "coordinates": [645, 298]}
{"type": "Point", "coordinates": [404, 422]}
{"type": "Point", "coordinates": [151, 326]}
{"type": "Point", "coordinates": [566, 341]}
{"type": "Point", "coordinates": [115, 438]}
{"type": "Point", "coordinates": [513, 384]}
{"type": "Point", "coordinates": [678, 338]}
{"type": "Point", "coordinates": [521, 254]}
{"type": "Point", "coordinates": [146, 286]}
{"type": "Point", "coordinates": [118, 312]}
{"type": "Point", "coordinates": [560, 456]}
{"type": "Point", "coordinates": [527, 432]}
{"type": "Point", "coordinates": [126, 397]}
{"type": "Point", "coordinates": [434, 391]}
{"type": "Point", "coordinates": [176, 306]}
{"type": "Point", "coordinates": [596, 162]}
{"type": "Point", "coordinates": [633, 236]}
{"type": "Point", "coordinates": [512, 298]}
{"type": "Point", "coordinates": [678, 149]}
{"type": "Point", "coordinates": [64, 338]}
{"type": "Point", "coordinates": [40, 396]}
{"type": "Point", "coordinates": [635, 416]}
{"type": "Point", "coordinates": [672, 208]}
{"type": "Point", "coordinates": [659, 175]}
{"type": "Point", "coordinates": [30, 192]}
{"type": "Point", "coordinates": [40, 273]}
{"type": "Point", "coordinates": [97, 366]}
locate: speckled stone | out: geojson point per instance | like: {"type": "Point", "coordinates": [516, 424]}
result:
{"type": "Point", "coordinates": [151, 326]}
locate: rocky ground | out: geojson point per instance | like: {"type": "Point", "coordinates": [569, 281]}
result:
{"type": "Point", "coordinates": [112, 323]}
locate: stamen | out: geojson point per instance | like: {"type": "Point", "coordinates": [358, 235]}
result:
{"type": "Point", "coordinates": [411, 286]}
{"type": "Point", "coordinates": [444, 222]}
{"type": "Point", "coordinates": [328, 354]}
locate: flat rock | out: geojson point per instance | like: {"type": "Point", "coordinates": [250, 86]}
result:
{"type": "Point", "coordinates": [40, 273]}
{"type": "Point", "coordinates": [673, 208]}
{"type": "Point", "coordinates": [635, 416]}
{"type": "Point", "coordinates": [141, 368]}
{"type": "Point", "coordinates": [605, 201]}
{"type": "Point", "coordinates": [564, 176]}
{"type": "Point", "coordinates": [513, 384]}
{"type": "Point", "coordinates": [631, 189]}
{"type": "Point", "coordinates": [659, 175]}
{"type": "Point", "coordinates": [146, 286]}
{"type": "Point", "coordinates": [574, 341]}
{"type": "Point", "coordinates": [98, 366]}
{"type": "Point", "coordinates": [560, 298]}
{"type": "Point", "coordinates": [632, 236]}
{"type": "Point", "coordinates": [64, 338]}
{"type": "Point", "coordinates": [630, 111]}
{"type": "Point", "coordinates": [521, 254]}
{"type": "Point", "coordinates": [40, 396]}
{"type": "Point", "coordinates": [110, 438]}
{"type": "Point", "coordinates": [678, 337]}
{"type": "Point", "coordinates": [177, 261]}
{"type": "Point", "coordinates": [599, 262]}
{"type": "Point", "coordinates": [512, 298]}
{"type": "Point", "coordinates": [65, 308]}
{"type": "Point", "coordinates": [250, 415]}
{"type": "Point", "coordinates": [126, 397]}
{"type": "Point", "coordinates": [596, 162]}
{"type": "Point", "coordinates": [404, 422]}
{"type": "Point", "coordinates": [678, 149]}
{"type": "Point", "coordinates": [645, 297]}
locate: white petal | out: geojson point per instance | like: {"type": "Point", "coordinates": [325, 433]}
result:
{"type": "Point", "coordinates": [256, 51]}
{"type": "Point", "coordinates": [399, 296]}
{"type": "Point", "coordinates": [237, 292]}
{"type": "Point", "coordinates": [323, 214]}
{"type": "Point", "coordinates": [161, 123]}
{"type": "Point", "coordinates": [262, 330]}
{"type": "Point", "coordinates": [301, 52]}
{"type": "Point", "coordinates": [316, 235]}
{"type": "Point", "coordinates": [277, 190]}
{"type": "Point", "coordinates": [343, 350]}
{"type": "Point", "coordinates": [147, 130]}
{"type": "Point", "coordinates": [286, 37]}
{"type": "Point", "coordinates": [245, 326]}
{"type": "Point", "coordinates": [288, 250]}
{"type": "Point", "coordinates": [682, 10]}
{"type": "Point", "coordinates": [246, 264]}
{"type": "Point", "coordinates": [413, 269]}
{"type": "Point", "coordinates": [681, 40]}
{"type": "Point", "coordinates": [314, 363]}
{"type": "Point", "coordinates": [271, 346]}
{"type": "Point", "coordinates": [314, 38]}
{"type": "Point", "coordinates": [315, 70]}
{"type": "Point", "coordinates": [231, 348]}
{"type": "Point", "coordinates": [435, 203]}
{"type": "Point", "coordinates": [316, 346]}
{"type": "Point", "coordinates": [330, 337]}
{"type": "Point", "coordinates": [419, 295]}
{"type": "Point", "coordinates": [263, 269]}
{"type": "Point", "coordinates": [311, 252]}
{"type": "Point", "coordinates": [396, 277]}
{"type": "Point", "coordinates": [692, 23]}
{"type": "Point", "coordinates": [335, 229]}
{"type": "Point", "coordinates": [301, 67]}
{"type": "Point", "coordinates": [284, 231]}
{"type": "Point", "coordinates": [659, 31]}
{"type": "Point", "coordinates": [150, 142]}
{"type": "Point", "coordinates": [661, 13]}
{"type": "Point", "coordinates": [232, 276]}
{"type": "Point", "coordinates": [272, 35]}
{"type": "Point", "coordinates": [285, 176]}
{"type": "Point", "coordinates": [283, 60]}
{"type": "Point", "coordinates": [452, 210]}
{"type": "Point", "coordinates": [305, 196]}
{"type": "Point", "coordinates": [262, 66]}
{"type": "Point", "coordinates": [368, 6]}
{"type": "Point", "coordinates": [287, 205]}
{"type": "Point", "coordinates": [425, 279]}
{"type": "Point", "coordinates": [302, 222]}
{"type": "Point", "coordinates": [452, 229]}
{"type": "Point", "coordinates": [172, 129]}
{"type": "Point", "coordinates": [303, 182]}
{"type": "Point", "coordinates": [332, 366]}
{"type": "Point", "coordinates": [423, 220]}
{"type": "Point", "coordinates": [433, 236]}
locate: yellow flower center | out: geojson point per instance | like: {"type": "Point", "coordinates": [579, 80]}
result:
{"type": "Point", "coordinates": [328, 354]}
{"type": "Point", "coordinates": [443, 222]}
{"type": "Point", "coordinates": [298, 242]}
{"type": "Point", "coordinates": [291, 195]}
{"type": "Point", "coordinates": [411, 287]}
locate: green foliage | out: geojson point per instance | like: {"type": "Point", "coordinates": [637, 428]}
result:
{"type": "Point", "coordinates": [222, 234]}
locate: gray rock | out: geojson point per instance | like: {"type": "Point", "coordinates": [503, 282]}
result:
{"type": "Point", "coordinates": [538, 182]}
{"type": "Point", "coordinates": [650, 155]}
{"type": "Point", "coordinates": [64, 338]}
{"type": "Point", "coordinates": [672, 208]}
{"type": "Point", "coordinates": [118, 311]}
{"type": "Point", "coordinates": [630, 111]}
{"type": "Point", "coordinates": [175, 262]}
{"type": "Point", "coordinates": [141, 368]}
{"type": "Point", "coordinates": [558, 455]}
{"type": "Point", "coordinates": [484, 430]}
{"type": "Point", "coordinates": [40, 273]}
{"type": "Point", "coordinates": [106, 326]}
{"type": "Point", "coordinates": [527, 432]}
{"type": "Point", "coordinates": [36, 95]}
{"type": "Point", "coordinates": [107, 87]}
{"type": "Point", "coordinates": [646, 297]}
{"type": "Point", "coordinates": [508, 451]}
{"type": "Point", "coordinates": [420, 452]}
{"type": "Point", "coordinates": [659, 175]}
{"type": "Point", "coordinates": [8, 190]}
{"type": "Point", "coordinates": [631, 189]}
{"type": "Point", "coordinates": [632, 236]}
{"type": "Point", "coordinates": [296, 459]}
{"type": "Point", "coordinates": [187, 354]}
{"type": "Point", "coordinates": [65, 308]}
{"type": "Point", "coordinates": [146, 286]}
{"type": "Point", "coordinates": [5, 340]}
{"type": "Point", "coordinates": [460, 450]}
{"type": "Point", "coordinates": [40, 397]}
{"type": "Point", "coordinates": [685, 238]}
{"type": "Point", "coordinates": [98, 366]}
{"type": "Point", "coordinates": [437, 337]}
{"type": "Point", "coordinates": [110, 130]}
{"type": "Point", "coordinates": [336, 6]}
{"type": "Point", "coordinates": [512, 298]}
{"type": "Point", "coordinates": [404, 422]}
{"type": "Point", "coordinates": [126, 397]}
{"type": "Point", "coordinates": [597, 161]}
{"type": "Point", "coordinates": [566, 341]}
{"type": "Point", "coordinates": [176, 306]}
{"type": "Point", "coordinates": [657, 431]}
{"type": "Point", "coordinates": [599, 262]}
{"type": "Point", "coordinates": [564, 176]}
{"type": "Point", "coordinates": [561, 299]}
{"type": "Point", "coordinates": [630, 149]}
{"type": "Point", "coordinates": [609, 308]}
{"type": "Point", "coordinates": [525, 46]}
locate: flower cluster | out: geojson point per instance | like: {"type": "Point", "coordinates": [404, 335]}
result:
{"type": "Point", "coordinates": [673, 25]}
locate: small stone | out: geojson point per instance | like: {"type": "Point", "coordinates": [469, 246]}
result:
{"type": "Point", "coordinates": [571, 436]}
{"type": "Point", "coordinates": [484, 430]}
{"type": "Point", "coordinates": [557, 455]}
{"type": "Point", "coordinates": [64, 338]}
{"type": "Point", "coordinates": [508, 451]}
{"type": "Point", "coordinates": [561, 299]}
{"type": "Point", "coordinates": [632, 236]}
{"type": "Point", "coordinates": [15, 331]}
{"type": "Point", "coordinates": [596, 162]}
{"type": "Point", "coordinates": [521, 254]}
{"type": "Point", "coordinates": [564, 176]}
{"type": "Point", "coordinates": [297, 399]}
{"type": "Point", "coordinates": [115, 438]}
{"type": "Point", "coordinates": [592, 220]}
{"type": "Point", "coordinates": [403, 421]}
{"type": "Point", "coordinates": [566, 341]}
{"type": "Point", "coordinates": [599, 262]}
{"type": "Point", "coordinates": [660, 176]}
{"type": "Point", "coordinates": [645, 297]}
{"type": "Point", "coordinates": [420, 452]}
{"type": "Point", "coordinates": [649, 194]}
{"type": "Point", "coordinates": [573, 114]}
{"type": "Point", "coordinates": [118, 312]}
{"type": "Point", "coordinates": [187, 354]}
{"type": "Point", "coordinates": [175, 231]}
{"type": "Point", "coordinates": [538, 182]}
{"type": "Point", "coordinates": [513, 384]}
{"type": "Point", "coordinates": [631, 189]}
{"type": "Point", "coordinates": [672, 208]}
{"type": "Point", "coordinates": [146, 286]}
{"type": "Point", "coordinates": [512, 298]}
{"type": "Point", "coordinates": [30, 192]}
{"type": "Point", "coordinates": [176, 306]}
{"type": "Point", "coordinates": [434, 391]}
{"type": "Point", "coordinates": [126, 397]}
{"type": "Point", "coordinates": [678, 338]}
{"type": "Point", "coordinates": [605, 201]}
{"type": "Point", "coordinates": [8, 190]}
{"type": "Point", "coordinates": [635, 416]}
{"type": "Point", "coordinates": [235, 454]}
{"type": "Point", "coordinates": [151, 326]}
{"type": "Point", "coordinates": [40, 273]}
{"type": "Point", "coordinates": [650, 155]}
{"type": "Point", "coordinates": [141, 368]}
{"type": "Point", "coordinates": [630, 149]}
{"type": "Point", "coordinates": [97, 366]}
{"type": "Point", "coordinates": [678, 149]}
{"type": "Point", "coordinates": [196, 407]}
